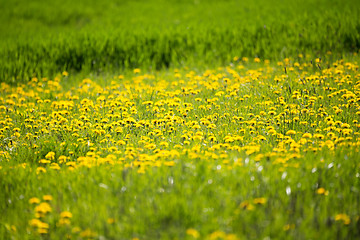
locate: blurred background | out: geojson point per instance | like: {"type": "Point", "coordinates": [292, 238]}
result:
{"type": "Point", "coordinates": [43, 38]}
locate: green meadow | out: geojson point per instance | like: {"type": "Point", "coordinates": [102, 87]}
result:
{"type": "Point", "coordinates": [179, 119]}
{"type": "Point", "coordinates": [42, 39]}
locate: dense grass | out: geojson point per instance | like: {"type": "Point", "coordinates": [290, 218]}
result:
{"type": "Point", "coordinates": [42, 39]}
{"type": "Point", "coordinates": [245, 151]}
{"type": "Point", "coordinates": [165, 202]}
{"type": "Point", "coordinates": [179, 119]}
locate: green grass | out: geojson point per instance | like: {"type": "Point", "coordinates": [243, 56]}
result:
{"type": "Point", "coordinates": [165, 202]}
{"type": "Point", "coordinates": [242, 121]}
{"type": "Point", "coordinates": [255, 186]}
{"type": "Point", "coordinates": [39, 39]}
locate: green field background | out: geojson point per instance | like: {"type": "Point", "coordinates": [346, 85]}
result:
{"type": "Point", "coordinates": [41, 38]}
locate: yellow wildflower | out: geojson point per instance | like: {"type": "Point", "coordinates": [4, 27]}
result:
{"type": "Point", "coordinates": [34, 200]}
{"type": "Point", "coordinates": [193, 232]}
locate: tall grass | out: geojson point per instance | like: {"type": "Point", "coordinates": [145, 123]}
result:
{"type": "Point", "coordinates": [39, 39]}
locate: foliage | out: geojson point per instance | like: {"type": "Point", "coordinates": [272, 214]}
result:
{"type": "Point", "coordinates": [253, 150]}
{"type": "Point", "coordinates": [42, 40]}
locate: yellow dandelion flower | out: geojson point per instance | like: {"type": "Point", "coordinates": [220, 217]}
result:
{"type": "Point", "coordinates": [307, 135]}
{"type": "Point", "coordinates": [169, 163]}
{"type": "Point", "coordinates": [246, 205]}
{"type": "Point", "coordinates": [291, 132]}
{"type": "Point", "coordinates": [193, 232]}
{"type": "Point", "coordinates": [343, 217]}
{"type": "Point", "coordinates": [66, 214]}
{"type": "Point", "coordinates": [47, 198]}
{"type": "Point", "coordinates": [259, 200]}
{"type": "Point", "coordinates": [64, 221]}
{"type": "Point", "coordinates": [50, 156]}
{"type": "Point", "coordinates": [35, 222]}
{"type": "Point", "coordinates": [321, 191]}
{"type": "Point", "coordinates": [40, 170]}
{"type": "Point", "coordinates": [34, 200]}
{"type": "Point", "coordinates": [217, 235]}
{"type": "Point", "coordinates": [43, 208]}
{"type": "Point", "coordinates": [42, 230]}
{"type": "Point", "coordinates": [87, 233]}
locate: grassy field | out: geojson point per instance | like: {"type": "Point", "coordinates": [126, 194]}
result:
{"type": "Point", "coordinates": [42, 39]}
{"type": "Point", "coordinates": [180, 120]}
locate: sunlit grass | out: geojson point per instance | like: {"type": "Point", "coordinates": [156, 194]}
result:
{"type": "Point", "coordinates": [256, 149]}
{"type": "Point", "coordinates": [93, 37]}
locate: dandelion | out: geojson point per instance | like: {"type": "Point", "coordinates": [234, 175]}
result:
{"type": "Point", "coordinates": [35, 222]}
{"type": "Point", "coordinates": [63, 221]}
{"type": "Point", "coordinates": [87, 233]}
{"type": "Point", "coordinates": [259, 200]}
{"type": "Point", "coordinates": [322, 191]}
{"type": "Point", "coordinates": [343, 217]}
{"type": "Point", "coordinates": [217, 235]}
{"type": "Point", "coordinates": [47, 198]}
{"type": "Point", "coordinates": [307, 135]}
{"type": "Point", "coordinates": [40, 170]}
{"type": "Point", "coordinates": [43, 208]}
{"type": "Point", "coordinates": [246, 205]}
{"type": "Point", "coordinates": [50, 156]}
{"type": "Point", "coordinates": [34, 200]}
{"type": "Point", "coordinates": [193, 233]}
{"type": "Point", "coordinates": [291, 132]}
{"type": "Point", "coordinates": [66, 214]}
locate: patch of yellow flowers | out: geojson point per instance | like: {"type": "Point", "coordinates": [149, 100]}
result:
{"type": "Point", "coordinates": [144, 121]}
{"type": "Point", "coordinates": [223, 116]}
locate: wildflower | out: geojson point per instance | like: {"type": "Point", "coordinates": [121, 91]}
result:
{"type": "Point", "coordinates": [50, 156]}
{"type": "Point", "coordinates": [87, 233]}
{"type": "Point", "coordinates": [291, 132]}
{"type": "Point", "coordinates": [40, 170]}
{"type": "Point", "coordinates": [47, 197]}
{"type": "Point", "coordinates": [307, 135]}
{"type": "Point", "coordinates": [259, 200]}
{"type": "Point", "coordinates": [43, 230]}
{"type": "Point", "coordinates": [43, 208]}
{"type": "Point", "coordinates": [64, 221]}
{"type": "Point", "coordinates": [66, 214]}
{"type": "Point", "coordinates": [169, 163]}
{"type": "Point", "coordinates": [343, 217]}
{"type": "Point", "coordinates": [322, 191]}
{"type": "Point", "coordinates": [62, 159]}
{"type": "Point", "coordinates": [193, 232]}
{"type": "Point", "coordinates": [44, 161]}
{"type": "Point", "coordinates": [35, 222]}
{"type": "Point", "coordinates": [246, 205]}
{"type": "Point", "coordinates": [34, 200]}
{"type": "Point", "coordinates": [217, 235]}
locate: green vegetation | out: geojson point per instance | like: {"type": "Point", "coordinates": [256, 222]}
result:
{"type": "Point", "coordinates": [179, 120]}
{"type": "Point", "coordinates": [243, 151]}
{"type": "Point", "coordinates": [44, 38]}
